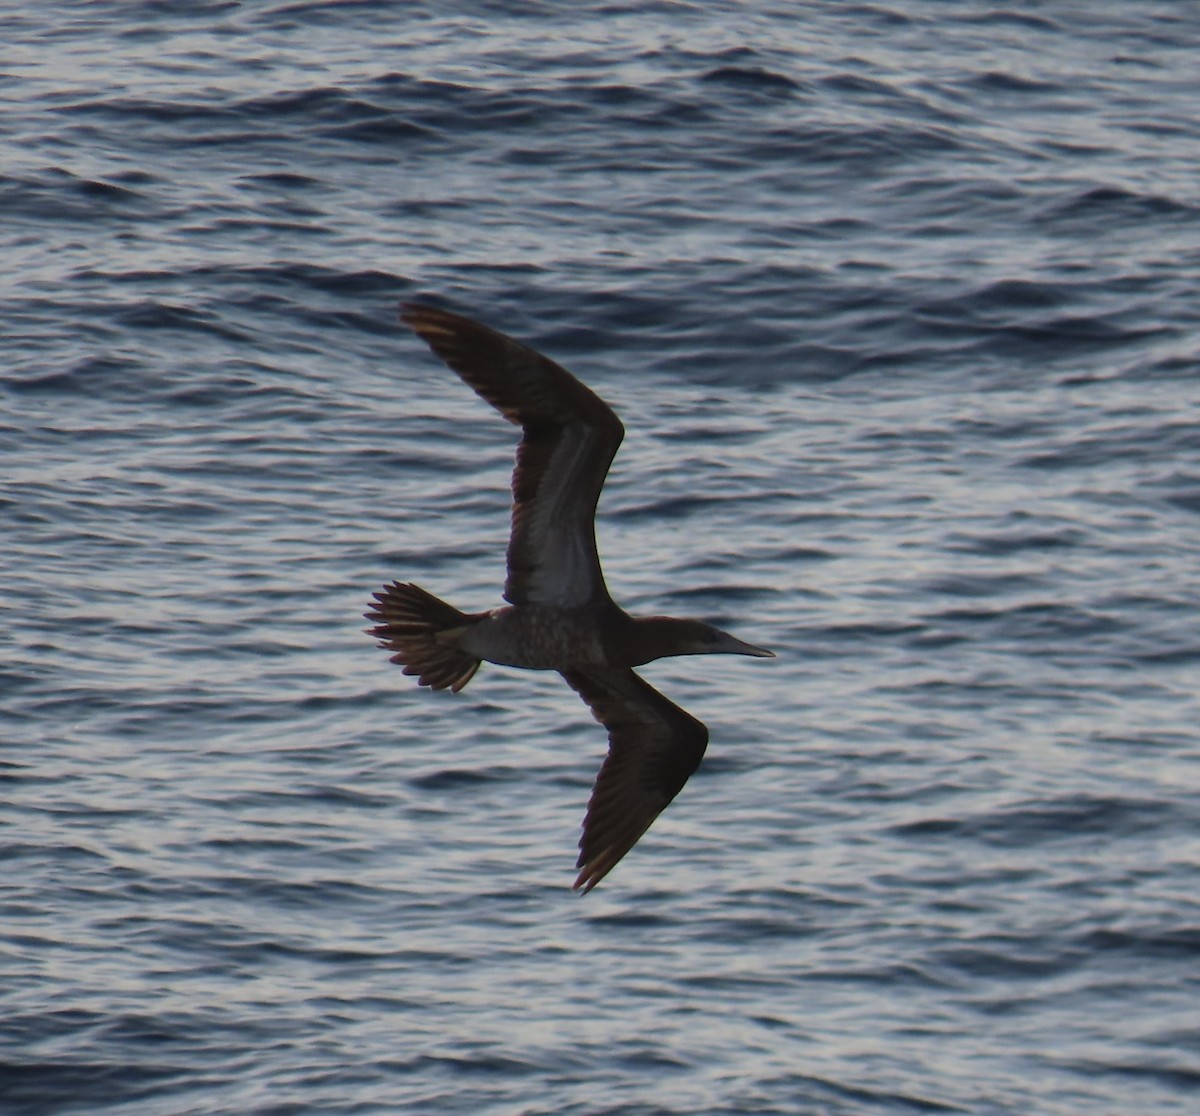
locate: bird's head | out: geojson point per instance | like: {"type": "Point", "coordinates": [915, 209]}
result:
{"type": "Point", "coordinates": [659, 637]}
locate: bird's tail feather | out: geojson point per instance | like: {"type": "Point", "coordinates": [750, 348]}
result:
{"type": "Point", "coordinates": [408, 623]}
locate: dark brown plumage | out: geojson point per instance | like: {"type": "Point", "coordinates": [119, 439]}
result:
{"type": "Point", "coordinates": [560, 615]}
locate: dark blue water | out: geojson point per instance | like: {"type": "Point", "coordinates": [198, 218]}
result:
{"type": "Point", "coordinates": [899, 304]}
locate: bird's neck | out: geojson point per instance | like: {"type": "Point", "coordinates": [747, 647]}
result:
{"type": "Point", "coordinates": [656, 637]}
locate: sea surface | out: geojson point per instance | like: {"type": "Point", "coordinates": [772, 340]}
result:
{"type": "Point", "coordinates": [900, 304]}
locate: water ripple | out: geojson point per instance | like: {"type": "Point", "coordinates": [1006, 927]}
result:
{"type": "Point", "coordinates": [895, 304]}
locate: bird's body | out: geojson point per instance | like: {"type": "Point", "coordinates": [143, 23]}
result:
{"type": "Point", "coordinates": [541, 637]}
{"type": "Point", "coordinates": [560, 615]}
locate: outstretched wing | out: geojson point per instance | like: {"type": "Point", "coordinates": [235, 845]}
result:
{"type": "Point", "coordinates": [569, 438]}
{"type": "Point", "coordinates": [653, 747]}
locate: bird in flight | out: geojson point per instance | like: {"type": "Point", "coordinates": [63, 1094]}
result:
{"type": "Point", "coordinates": [559, 614]}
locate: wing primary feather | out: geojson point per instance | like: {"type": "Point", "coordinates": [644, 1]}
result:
{"type": "Point", "coordinates": [569, 438]}
{"type": "Point", "coordinates": [653, 748]}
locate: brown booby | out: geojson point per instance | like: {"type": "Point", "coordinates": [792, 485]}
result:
{"type": "Point", "coordinates": [560, 615]}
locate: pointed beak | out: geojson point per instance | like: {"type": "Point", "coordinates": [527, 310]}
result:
{"type": "Point", "coordinates": [734, 646]}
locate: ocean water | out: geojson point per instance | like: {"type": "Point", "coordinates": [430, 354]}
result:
{"type": "Point", "coordinates": [899, 304]}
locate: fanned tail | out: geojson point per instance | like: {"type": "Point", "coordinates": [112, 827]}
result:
{"type": "Point", "coordinates": [409, 621]}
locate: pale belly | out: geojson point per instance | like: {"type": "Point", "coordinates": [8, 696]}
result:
{"type": "Point", "coordinates": [537, 639]}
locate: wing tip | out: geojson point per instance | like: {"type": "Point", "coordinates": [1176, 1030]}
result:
{"type": "Point", "coordinates": [424, 319]}
{"type": "Point", "coordinates": [596, 865]}
{"type": "Point", "coordinates": [586, 880]}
